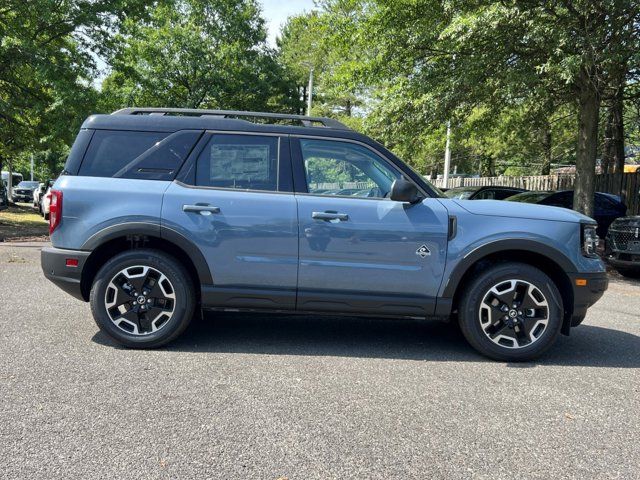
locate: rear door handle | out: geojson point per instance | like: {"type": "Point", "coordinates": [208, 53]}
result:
{"type": "Point", "coordinates": [343, 217]}
{"type": "Point", "coordinates": [201, 209]}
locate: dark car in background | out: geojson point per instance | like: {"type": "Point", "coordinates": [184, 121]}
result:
{"type": "Point", "coordinates": [622, 248]}
{"type": "Point", "coordinates": [482, 193]}
{"type": "Point", "coordinates": [24, 191]}
{"type": "Point", "coordinates": [607, 207]}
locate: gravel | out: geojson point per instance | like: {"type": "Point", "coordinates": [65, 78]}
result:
{"type": "Point", "coordinates": [303, 397]}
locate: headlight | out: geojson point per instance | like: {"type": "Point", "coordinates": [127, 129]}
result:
{"type": "Point", "coordinates": [589, 240]}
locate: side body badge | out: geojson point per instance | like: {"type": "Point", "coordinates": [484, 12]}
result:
{"type": "Point", "coordinates": [423, 251]}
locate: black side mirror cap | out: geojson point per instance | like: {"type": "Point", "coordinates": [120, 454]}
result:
{"type": "Point", "coordinates": [404, 191]}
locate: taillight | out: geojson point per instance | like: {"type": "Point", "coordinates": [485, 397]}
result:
{"type": "Point", "coordinates": [55, 210]}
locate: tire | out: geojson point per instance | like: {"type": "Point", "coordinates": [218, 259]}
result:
{"type": "Point", "coordinates": [165, 302]}
{"type": "Point", "coordinates": [629, 272]}
{"type": "Point", "coordinates": [511, 334]}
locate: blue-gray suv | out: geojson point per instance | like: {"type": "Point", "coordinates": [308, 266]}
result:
{"type": "Point", "coordinates": [162, 212]}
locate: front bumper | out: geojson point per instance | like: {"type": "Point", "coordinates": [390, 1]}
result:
{"type": "Point", "coordinates": [624, 259]}
{"type": "Point", "coordinates": [19, 197]}
{"type": "Point", "coordinates": [54, 265]}
{"type": "Point", "coordinates": [588, 288]}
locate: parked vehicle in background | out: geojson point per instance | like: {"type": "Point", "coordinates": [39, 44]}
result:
{"type": "Point", "coordinates": [23, 192]}
{"type": "Point", "coordinates": [622, 247]}
{"type": "Point", "coordinates": [39, 199]}
{"type": "Point", "coordinates": [37, 194]}
{"type": "Point", "coordinates": [15, 179]}
{"type": "Point", "coordinates": [631, 165]}
{"type": "Point", "coordinates": [4, 197]}
{"type": "Point", "coordinates": [607, 207]}
{"type": "Point", "coordinates": [482, 193]}
{"type": "Point", "coordinates": [162, 212]}
{"type": "Point", "coordinates": [46, 202]}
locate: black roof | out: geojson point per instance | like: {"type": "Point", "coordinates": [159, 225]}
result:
{"type": "Point", "coordinates": [174, 119]}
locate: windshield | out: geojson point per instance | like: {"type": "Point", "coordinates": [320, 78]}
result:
{"type": "Point", "coordinates": [528, 197]}
{"type": "Point", "coordinates": [460, 193]}
{"type": "Point", "coordinates": [26, 184]}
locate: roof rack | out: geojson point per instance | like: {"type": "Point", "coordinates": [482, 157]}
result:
{"type": "Point", "coordinates": [303, 119]}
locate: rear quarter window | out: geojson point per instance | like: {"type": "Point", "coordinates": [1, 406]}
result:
{"type": "Point", "coordinates": [112, 150]}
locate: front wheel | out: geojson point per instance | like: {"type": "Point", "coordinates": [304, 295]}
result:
{"type": "Point", "coordinates": [511, 312]}
{"type": "Point", "coordinates": [629, 272]}
{"type": "Point", "coordinates": [142, 298]}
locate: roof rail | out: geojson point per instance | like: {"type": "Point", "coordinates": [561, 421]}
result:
{"type": "Point", "coordinates": [303, 119]}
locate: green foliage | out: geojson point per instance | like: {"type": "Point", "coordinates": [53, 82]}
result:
{"type": "Point", "coordinates": [198, 54]}
{"type": "Point", "coordinates": [47, 67]}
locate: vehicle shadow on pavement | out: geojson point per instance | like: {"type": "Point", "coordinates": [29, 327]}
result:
{"type": "Point", "coordinates": [273, 334]}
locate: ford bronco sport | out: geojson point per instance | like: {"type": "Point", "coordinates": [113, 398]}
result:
{"type": "Point", "coordinates": [161, 212]}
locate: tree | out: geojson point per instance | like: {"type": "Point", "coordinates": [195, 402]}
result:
{"type": "Point", "coordinates": [47, 66]}
{"type": "Point", "coordinates": [198, 54]}
{"type": "Point", "coordinates": [454, 57]}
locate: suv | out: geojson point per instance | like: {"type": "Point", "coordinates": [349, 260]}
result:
{"type": "Point", "coordinates": [622, 248]}
{"type": "Point", "coordinates": [162, 212]}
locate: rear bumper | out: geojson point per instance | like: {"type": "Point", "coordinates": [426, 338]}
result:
{"type": "Point", "coordinates": [584, 296]}
{"type": "Point", "coordinates": [54, 266]}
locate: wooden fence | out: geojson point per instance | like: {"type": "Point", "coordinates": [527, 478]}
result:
{"type": "Point", "coordinates": [627, 185]}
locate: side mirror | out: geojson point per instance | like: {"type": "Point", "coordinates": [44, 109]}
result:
{"type": "Point", "coordinates": [405, 191]}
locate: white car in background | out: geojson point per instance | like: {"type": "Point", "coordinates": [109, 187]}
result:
{"type": "Point", "coordinates": [37, 195]}
{"type": "Point", "coordinates": [46, 203]}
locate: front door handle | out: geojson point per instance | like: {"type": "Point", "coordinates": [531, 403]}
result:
{"type": "Point", "coordinates": [342, 217]}
{"type": "Point", "coordinates": [201, 209]}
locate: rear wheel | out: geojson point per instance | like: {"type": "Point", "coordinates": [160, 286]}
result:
{"type": "Point", "coordinates": [511, 311]}
{"type": "Point", "coordinates": [142, 298]}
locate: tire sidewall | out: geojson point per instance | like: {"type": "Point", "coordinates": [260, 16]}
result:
{"type": "Point", "coordinates": [167, 265]}
{"type": "Point", "coordinates": [470, 305]}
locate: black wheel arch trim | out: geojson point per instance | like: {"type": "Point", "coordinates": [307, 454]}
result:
{"type": "Point", "coordinates": [153, 230]}
{"type": "Point", "coordinates": [503, 245]}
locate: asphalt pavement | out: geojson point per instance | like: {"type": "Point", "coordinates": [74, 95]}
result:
{"type": "Point", "coordinates": [303, 397]}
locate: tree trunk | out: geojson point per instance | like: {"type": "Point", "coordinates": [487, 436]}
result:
{"type": "Point", "coordinates": [607, 144]}
{"type": "Point", "coordinates": [588, 116]}
{"type": "Point", "coordinates": [347, 108]}
{"type": "Point", "coordinates": [304, 99]}
{"type": "Point", "coordinates": [617, 129]}
{"type": "Point", "coordinates": [546, 145]}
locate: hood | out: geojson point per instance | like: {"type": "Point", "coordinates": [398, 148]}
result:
{"type": "Point", "coordinates": [532, 211]}
{"type": "Point", "coordinates": [633, 221]}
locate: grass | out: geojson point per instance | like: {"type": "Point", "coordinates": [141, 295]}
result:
{"type": "Point", "coordinates": [22, 223]}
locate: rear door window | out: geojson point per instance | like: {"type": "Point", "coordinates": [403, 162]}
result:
{"type": "Point", "coordinates": [245, 162]}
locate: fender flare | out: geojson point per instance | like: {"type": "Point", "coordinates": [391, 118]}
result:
{"type": "Point", "coordinates": [153, 230]}
{"type": "Point", "coordinates": [482, 251]}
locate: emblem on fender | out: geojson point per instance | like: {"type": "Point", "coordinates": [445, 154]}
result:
{"type": "Point", "coordinates": [423, 251]}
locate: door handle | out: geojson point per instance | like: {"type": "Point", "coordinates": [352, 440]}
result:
{"type": "Point", "coordinates": [343, 217]}
{"type": "Point", "coordinates": [201, 209]}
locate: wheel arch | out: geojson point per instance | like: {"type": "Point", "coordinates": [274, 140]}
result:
{"type": "Point", "coordinates": [119, 238]}
{"type": "Point", "coordinates": [550, 261]}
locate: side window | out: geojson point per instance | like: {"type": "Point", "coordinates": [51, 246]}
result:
{"type": "Point", "coordinates": [486, 195]}
{"type": "Point", "coordinates": [345, 169]}
{"type": "Point", "coordinates": [502, 194]}
{"type": "Point", "coordinates": [162, 160]}
{"type": "Point", "coordinates": [246, 162]}
{"type": "Point", "coordinates": [111, 150]}
{"type": "Point", "coordinates": [564, 199]}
